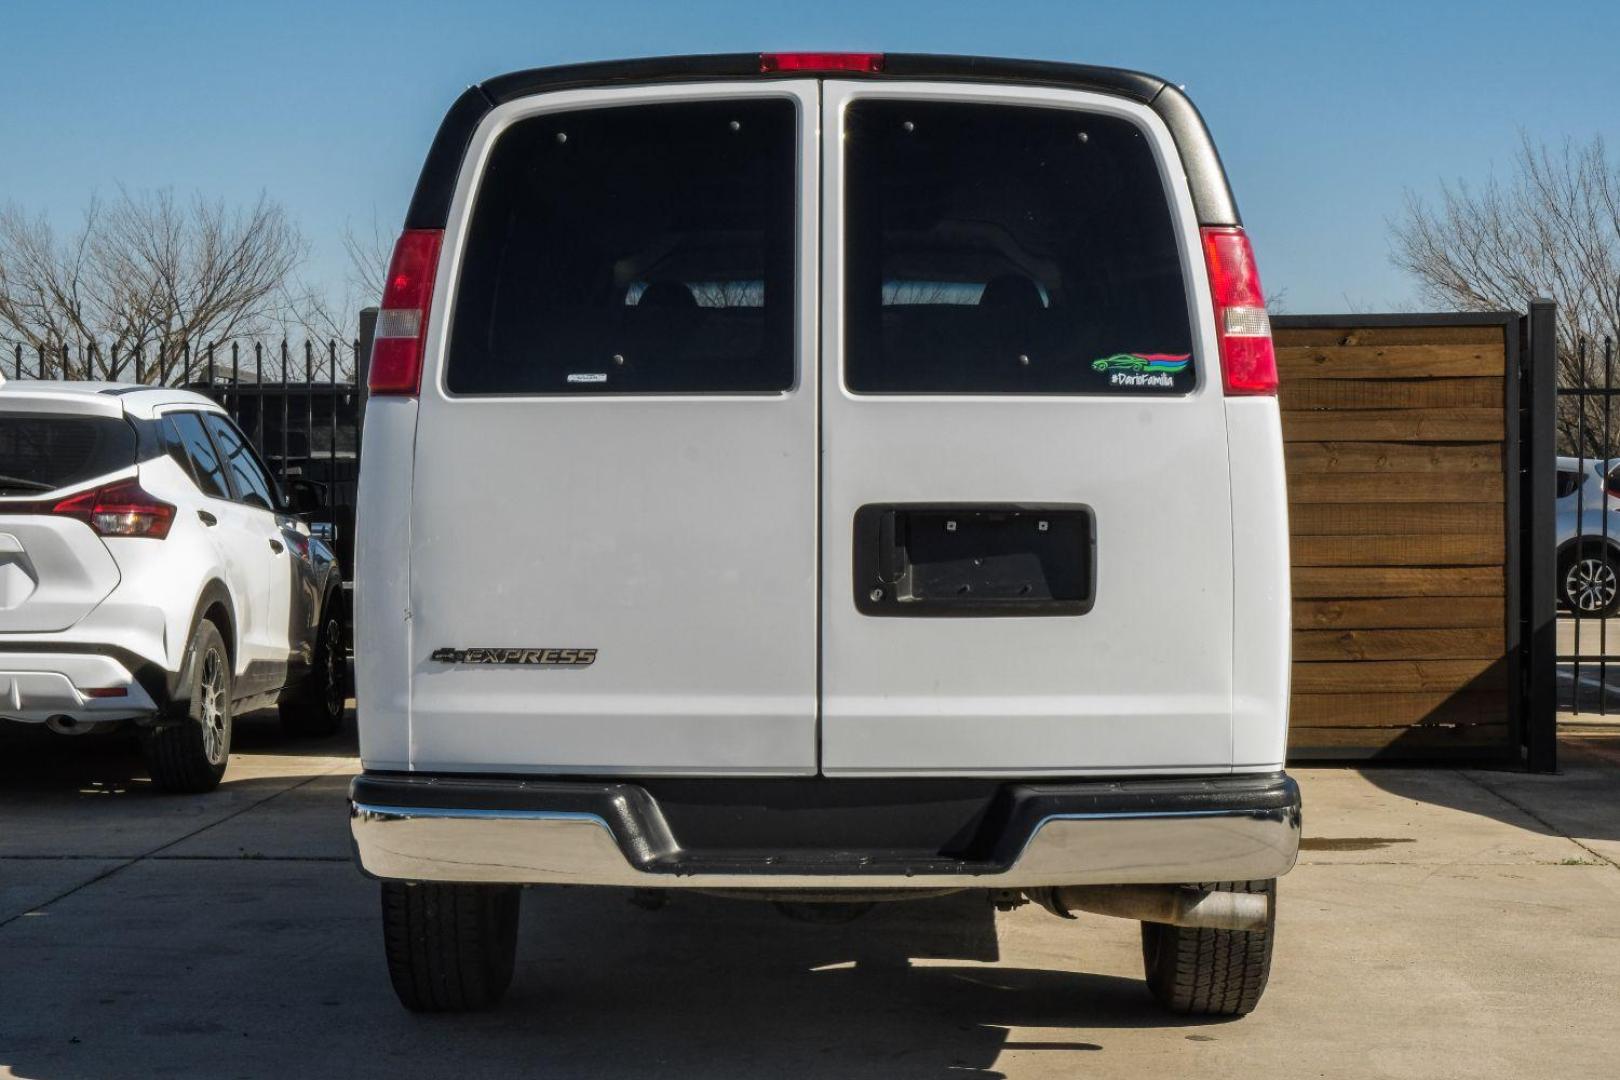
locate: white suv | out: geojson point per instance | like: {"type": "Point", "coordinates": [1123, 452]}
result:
{"type": "Point", "coordinates": [151, 573]}
{"type": "Point", "coordinates": [825, 477]}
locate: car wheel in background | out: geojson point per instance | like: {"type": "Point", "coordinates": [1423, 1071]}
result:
{"type": "Point", "coordinates": [451, 948]}
{"type": "Point", "coordinates": [316, 705]}
{"type": "Point", "coordinates": [1590, 582]}
{"type": "Point", "coordinates": [188, 753]}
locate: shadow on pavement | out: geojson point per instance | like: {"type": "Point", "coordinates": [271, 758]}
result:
{"type": "Point", "coordinates": [34, 757]}
{"type": "Point", "coordinates": [1581, 800]}
{"type": "Point", "coordinates": [703, 987]}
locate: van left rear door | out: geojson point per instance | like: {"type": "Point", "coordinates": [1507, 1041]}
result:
{"type": "Point", "coordinates": [613, 519]}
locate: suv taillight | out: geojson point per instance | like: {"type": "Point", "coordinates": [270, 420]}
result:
{"type": "Point", "coordinates": [121, 509]}
{"type": "Point", "coordinates": [396, 345]}
{"type": "Point", "coordinates": [1248, 361]}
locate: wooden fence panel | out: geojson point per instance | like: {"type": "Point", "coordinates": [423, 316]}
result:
{"type": "Point", "coordinates": [1396, 441]}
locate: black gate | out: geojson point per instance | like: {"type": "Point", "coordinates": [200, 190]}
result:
{"type": "Point", "coordinates": [1585, 516]}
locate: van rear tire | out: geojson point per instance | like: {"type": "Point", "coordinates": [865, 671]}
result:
{"type": "Point", "coordinates": [450, 948]}
{"type": "Point", "coordinates": [1211, 972]}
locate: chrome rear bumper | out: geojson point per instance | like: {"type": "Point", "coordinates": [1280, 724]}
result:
{"type": "Point", "coordinates": [548, 832]}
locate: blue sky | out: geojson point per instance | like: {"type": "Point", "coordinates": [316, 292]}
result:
{"type": "Point", "coordinates": [1324, 114]}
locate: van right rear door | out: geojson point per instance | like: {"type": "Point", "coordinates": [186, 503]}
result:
{"type": "Point", "coordinates": [1026, 518]}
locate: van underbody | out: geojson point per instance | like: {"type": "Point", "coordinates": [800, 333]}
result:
{"type": "Point", "coordinates": [840, 477]}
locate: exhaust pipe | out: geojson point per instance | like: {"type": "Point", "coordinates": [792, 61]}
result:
{"type": "Point", "coordinates": [67, 725]}
{"type": "Point", "coordinates": [1175, 905]}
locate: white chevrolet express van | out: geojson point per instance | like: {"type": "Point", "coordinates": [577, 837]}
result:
{"type": "Point", "coordinates": [832, 477]}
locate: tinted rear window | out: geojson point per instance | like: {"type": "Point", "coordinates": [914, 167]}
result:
{"type": "Point", "coordinates": [39, 452]}
{"type": "Point", "coordinates": [997, 248]}
{"type": "Point", "coordinates": [642, 249]}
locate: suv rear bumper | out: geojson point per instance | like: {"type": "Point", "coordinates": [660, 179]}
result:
{"type": "Point", "coordinates": [817, 833]}
{"type": "Point", "coordinates": [36, 686]}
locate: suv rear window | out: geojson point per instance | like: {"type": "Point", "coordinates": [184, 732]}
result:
{"type": "Point", "coordinates": [639, 249]}
{"type": "Point", "coordinates": [1008, 249]}
{"type": "Point", "coordinates": [40, 452]}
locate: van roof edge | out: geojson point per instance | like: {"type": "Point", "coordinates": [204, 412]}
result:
{"type": "Point", "coordinates": [1211, 195]}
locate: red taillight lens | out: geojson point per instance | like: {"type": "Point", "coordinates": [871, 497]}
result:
{"type": "Point", "coordinates": [396, 346]}
{"type": "Point", "coordinates": [121, 509]}
{"type": "Point", "coordinates": [821, 61]}
{"type": "Point", "coordinates": [1248, 361]}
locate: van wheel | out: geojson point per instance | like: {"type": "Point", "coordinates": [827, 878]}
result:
{"type": "Point", "coordinates": [451, 948]}
{"type": "Point", "coordinates": [315, 706]}
{"type": "Point", "coordinates": [1211, 972]}
{"type": "Point", "coordinates": [188, 753]}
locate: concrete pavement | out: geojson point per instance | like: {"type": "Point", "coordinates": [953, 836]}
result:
{"type": "Point", "coordinates": [1441, 923]}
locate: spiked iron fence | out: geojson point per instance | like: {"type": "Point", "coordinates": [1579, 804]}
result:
{"type": "Point", "coordinates": [1588, 532]}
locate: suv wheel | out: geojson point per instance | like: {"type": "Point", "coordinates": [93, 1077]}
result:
{"type": "Point", "coordinates": [188, 753]}
{"type": "Point", "coordinates": [1591, 582]}
{"type": "Point", "coordinates": [316, 705]}
{"type": "Point", "coordinates": [451, 948]}
{"type": "Point", "coordinates": [1211, 972]}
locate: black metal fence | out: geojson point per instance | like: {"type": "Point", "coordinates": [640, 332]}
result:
{"type": "Point", "coordinates": [1587, 517]}
{"type": "Point", "coordinates": [301, 407]}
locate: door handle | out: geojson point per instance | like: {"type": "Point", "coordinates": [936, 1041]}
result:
{"type": "Point", "coordinates": [277, 546]}
{"type": "Point", "coordinates": [206, 518]}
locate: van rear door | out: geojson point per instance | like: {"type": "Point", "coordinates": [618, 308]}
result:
{"type": "Point", "coordinates": [613, 515]}
{"type": "Point", "coordinates": [1026, 521]}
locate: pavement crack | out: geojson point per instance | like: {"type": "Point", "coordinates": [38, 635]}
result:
{"type": "Point", "coordinates": [1538, 819]}
{"type": "Point", "coordinates": [156, 852]}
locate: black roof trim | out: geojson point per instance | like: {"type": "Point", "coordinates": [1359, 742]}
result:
{"type": "Point", "coordinates": [1211, 196]}
{"type": "Point", "coordinates": [436, 186]}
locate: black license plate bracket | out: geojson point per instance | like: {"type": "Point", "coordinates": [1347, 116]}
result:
{"type": "Point", "coordinates": [974, 559]}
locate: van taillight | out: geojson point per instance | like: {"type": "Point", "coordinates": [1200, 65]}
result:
{"type": "Point", "coordinates": [121, 509]}
{"type": "Point", "coordinates": [396, 345]}
{"type": "Point", "coordinates": [1248, 361]}
{"type": "Point", "coordinates": [871, 63]}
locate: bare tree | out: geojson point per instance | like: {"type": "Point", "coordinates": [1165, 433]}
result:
{"type": "Point", "coordinates": [1552, 228]}
{"type": "Point", "coordinates": [332, 314]}
{"type": "Point", "coordinates": [369, 254]}
{"type": "Point", "coordinates": [144, 274]}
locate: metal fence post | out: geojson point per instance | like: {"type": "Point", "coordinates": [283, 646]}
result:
{"type": "Point", "coordinates": [309, 402]}
{"type": "Point", "coordinates": [258, 393]}
{"type": "Point", "coordinates": [362, 364]}
{"type": "Point", "coordinates": [331, 446]}
{"type": "Point", "coordinates": [1540, 564]}
{"type": "Point", "coordinates": [286, 420]}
